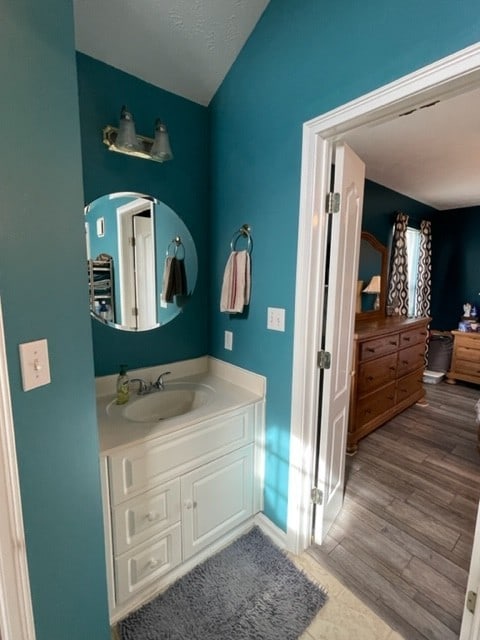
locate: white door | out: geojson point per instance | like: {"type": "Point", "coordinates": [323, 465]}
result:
{"type": "Point", "coordinates": [145, 272]}
{"type": "Point", "coordinates": [338, 336]}
{"type": "Point", "coordinates": [471, 621]}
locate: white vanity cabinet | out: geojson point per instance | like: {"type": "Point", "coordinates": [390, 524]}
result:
{"type": "Point", "coordinates": [168, 498]}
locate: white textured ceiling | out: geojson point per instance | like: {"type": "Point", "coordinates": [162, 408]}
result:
{"type": "Point", "coordinates": [431, 154]}
{"type": "Point", "coordinates": [183, 46]}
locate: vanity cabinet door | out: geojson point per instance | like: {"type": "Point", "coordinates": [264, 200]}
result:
{"type": "Point", "coordinates": [216, 498]}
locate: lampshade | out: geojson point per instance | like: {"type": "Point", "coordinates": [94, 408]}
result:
{"type": "Point", "coordinates": [161, 145]}
{"type": "Point", "coordinates": [126, 136]}
{"type": "Point", "coordinates": [373, 286]}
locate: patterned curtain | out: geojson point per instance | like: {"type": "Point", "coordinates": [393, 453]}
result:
{"type": "Point", "coordinates": [397, 296]}
{"type": "Point", "coordinates": [424, 277]}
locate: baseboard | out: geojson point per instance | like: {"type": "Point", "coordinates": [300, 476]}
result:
{"type": "Point", "coordinates": [276, 535]}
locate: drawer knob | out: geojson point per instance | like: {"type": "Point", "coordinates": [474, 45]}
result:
{"type": "Point", "coordinates": [151, 516]}
{"type": "Point", "coordinates": [370, 349]}
{"type": "Point", "coordinates": [153, 562]}
{"type": "Point", "coordinates": [369, 378]}
{"type": "Point", "coordinates": [406, 338]}
{"type": "Point", "coordinates": [189, 504]}
{"type": "Point", "coordinates": [393, 343]}
{"type": "Point", "coordinates": [392, 368]}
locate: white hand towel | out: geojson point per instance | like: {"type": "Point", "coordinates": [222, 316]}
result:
{"type": "Point", "coordinates": [236, 283]}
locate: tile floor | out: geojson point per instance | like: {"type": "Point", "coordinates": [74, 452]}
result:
{"type": "Point", "coordinates": [343, 617]}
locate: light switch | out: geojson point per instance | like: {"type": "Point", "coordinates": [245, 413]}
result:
{"type": "Point", "coordinates": [276, 319]}
{"type": "Point", "coordinates": [228, 344]}
{"type": "Point", "coordinates": [34, 364]}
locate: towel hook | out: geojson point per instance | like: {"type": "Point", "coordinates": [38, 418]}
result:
{"type": "Point", "coordinates": [176, 243]}
{"type": "Point", "coordinates": [243, 232]}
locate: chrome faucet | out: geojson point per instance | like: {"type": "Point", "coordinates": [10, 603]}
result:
{"type": "Point", "coordinates": [160, 384]}
{"type": "Point", "coordinates": [143, 386]}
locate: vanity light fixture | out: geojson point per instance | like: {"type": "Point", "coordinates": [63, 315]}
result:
{"type": "Point", "coordinates": [374, 286]}
{"type": "Point", "coordinates": [124, 139]}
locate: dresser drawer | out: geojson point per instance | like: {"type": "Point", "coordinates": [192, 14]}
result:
{"type": "Point", "coordinates": [375, 373]}
{"type": "Point", "coordinates": [409, 385]}
{"type": "Point", "coordinates": [373, 405]}
{"type": "Point", "coordinates": [411, 359]}
{"type": "Point", "coordinates": [468, 367]}
{"type": "Point", "coordinates": [142, 467]}
{"type": "Point", "coordinates": [413, 336]}
{"type": "Point", "coordinates": [378, 347]}
{"type": "Point", "coordinates": [466, 352]}
{"type": "Point", "coordinates": [137, 568]}
{"type": "Point", "coordinates": [467, 343]}
{"type": "Point", "coordinates": [142, 517]}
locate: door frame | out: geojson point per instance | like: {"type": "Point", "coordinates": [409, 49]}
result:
{"type": "Point", "coordinates": [16, 614]}
{"type": "Point", "coordinates": [451, 75]}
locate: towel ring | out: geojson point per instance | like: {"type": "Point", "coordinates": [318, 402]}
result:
{"type": "Point", "coordinates": [176, 243]}
{"type": "Point", "coordinates": [243, 232]}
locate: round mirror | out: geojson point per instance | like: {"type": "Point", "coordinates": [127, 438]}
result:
{"type": "Point", "coordinates": [142, 262]}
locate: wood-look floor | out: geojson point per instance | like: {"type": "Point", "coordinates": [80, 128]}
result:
{"type": "Point", "coordinates": [403, 540]}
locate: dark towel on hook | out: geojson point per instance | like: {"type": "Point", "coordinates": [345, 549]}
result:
{"type": "Point", "coordinates": [176, 281]}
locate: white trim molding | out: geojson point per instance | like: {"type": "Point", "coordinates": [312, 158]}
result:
{"type": "Point", "coordinates": [16, 614]}
{"type": "Point", "coordinates": [449, 76]}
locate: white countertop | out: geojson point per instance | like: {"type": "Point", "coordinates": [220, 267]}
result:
{"type": "Point", "coordinates": [115, 432]}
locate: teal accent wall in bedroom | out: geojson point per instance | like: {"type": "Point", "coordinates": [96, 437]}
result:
{"type": "Point", "coordinates": [43, 291]}
{"type": "Point", "coordinates": [182, 184]}
{"type": "Point", "coordinates": [303, 59]}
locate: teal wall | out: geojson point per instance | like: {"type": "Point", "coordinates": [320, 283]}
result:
{"type": "Point", "coordinates": [182, 184]}
{"type": "Point", "coordinates": [455, 260]}
{"type": "Point", "coordinates": [42, 285]}
{"type": "Point", "coordinates": [303, 59]}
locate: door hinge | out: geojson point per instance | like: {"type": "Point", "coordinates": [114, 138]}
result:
{"type": "Point", "coordinates": [131, 241]}
{"type": "Point", "coordinates": [317, 496]}
{"type": "Point", "coordinates": [324, 359]}
{"type": "Point", "coordinates": [134, 311]}
{"type": "Point", "coordinates": [333, 202]}
{"type": "Point", "coordinates": [471, 601]}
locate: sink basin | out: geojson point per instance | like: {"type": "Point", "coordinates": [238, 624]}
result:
{"type": "Point", "coordinates": [175, 400]}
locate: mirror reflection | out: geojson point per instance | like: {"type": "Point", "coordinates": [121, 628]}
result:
{"type": "Point", "coordinates": [371, 284]}
{"type": "Point", "coordinates": [142, 262]}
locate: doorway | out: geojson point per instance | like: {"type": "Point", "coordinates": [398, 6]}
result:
{"type": "Point", "coordinates": [453, 75]}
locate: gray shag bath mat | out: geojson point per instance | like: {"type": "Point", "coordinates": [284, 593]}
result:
{"type": "Point", "coordinates": [248, 591]}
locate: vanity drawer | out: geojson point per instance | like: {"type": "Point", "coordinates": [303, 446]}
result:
{"type": "Point", "coordinates": [144, 466]}
{"type": "Point", "coordinates": [142, 517]}
{"type": "Point", "coordinates": [373, 405]}
{"type": "Point", "coordinates": [376, 373]}
{"type": "Point", "coordinates": [411, 359]}
{"type": "Point", "coordinates": [139, 567]}
{"type": "Point", "coordinates": [414, 336]}
{"type": "Point", "coordinates": [468, 353]}
{"type": "Point", "coordinates": [378, 347]}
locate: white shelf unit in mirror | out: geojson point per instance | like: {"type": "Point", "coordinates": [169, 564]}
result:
{"type": "Point", "coordinates": [152, 261]}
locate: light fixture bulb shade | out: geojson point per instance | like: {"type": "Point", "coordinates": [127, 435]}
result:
{"type": "Point", "coordinates": [126, 136]}
{"type": "Point", "coordinates": [161, 149]}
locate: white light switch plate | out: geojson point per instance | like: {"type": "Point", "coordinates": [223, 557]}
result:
{"type": "Point", "coordinates": [276, 319]}
{"type": "Point", "coordinates": [34, 364]}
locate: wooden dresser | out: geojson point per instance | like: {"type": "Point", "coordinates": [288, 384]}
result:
{"type": "Point", "coordinates": [389, 360]}
{"type": "Point", "coordinates": [465, 357]}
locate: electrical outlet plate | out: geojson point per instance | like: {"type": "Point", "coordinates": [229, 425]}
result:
{"type": "Point", "coordinates": [34, 364]}
{"type": "Point", "coordinates": [228, 340]}
{"type": "Point", "coordinates": [276, 319]}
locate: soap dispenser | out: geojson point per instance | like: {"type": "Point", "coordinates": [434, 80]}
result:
{"type": "Point", "coordinates": [123, 391]}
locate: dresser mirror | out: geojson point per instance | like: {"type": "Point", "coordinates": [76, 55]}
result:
{"type": "Point", "coordinates": [372, 278]}
{"type": "Point", "coordinates": [141, 260]}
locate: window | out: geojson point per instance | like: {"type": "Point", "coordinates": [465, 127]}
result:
{"type": "Point", "coordinates": [413, 250]}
